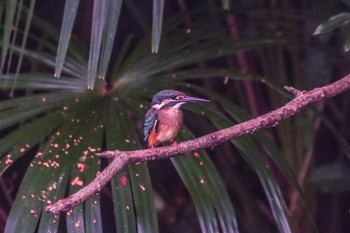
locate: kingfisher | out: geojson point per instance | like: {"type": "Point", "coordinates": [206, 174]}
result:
{"type": "Point", "coordinates": [164, 119]}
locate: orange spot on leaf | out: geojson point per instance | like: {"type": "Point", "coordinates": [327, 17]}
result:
{"type": "Point", "coordinates": [143, 188]}
{"type": "Point", "coordinates": [77, 224]}
{"type": "Point", "coordinates": [81, 167]}
{"type": "Point", "coordinates": [8, 161]}
{"type": "Point", "coordinates": [123, 180]}
{"type": "Point", "coordinates": [77, 182]}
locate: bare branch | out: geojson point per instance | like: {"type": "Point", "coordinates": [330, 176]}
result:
{"type": "Point", "coordinates": [271, 119]}
{"type": "Point", "coordinates": [292, 90]}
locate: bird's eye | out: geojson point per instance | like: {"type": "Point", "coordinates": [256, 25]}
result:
{"type": "Point", "coordinates": [174, 97]}
{"type": "Point", "coordinates": [177, 97]}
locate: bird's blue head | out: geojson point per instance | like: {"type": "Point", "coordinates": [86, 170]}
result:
{"type": "Point", "coordinates": [173, 99]}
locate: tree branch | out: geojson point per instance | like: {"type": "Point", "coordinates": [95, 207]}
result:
{"type": "Point", "coordinates": [271, 119]}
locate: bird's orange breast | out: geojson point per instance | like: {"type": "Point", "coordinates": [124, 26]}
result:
{"type": "Point", "coordinates": [168, 126]}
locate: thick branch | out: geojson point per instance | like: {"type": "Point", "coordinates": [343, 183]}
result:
{"type": "Point", "coordinates": [271, 119]}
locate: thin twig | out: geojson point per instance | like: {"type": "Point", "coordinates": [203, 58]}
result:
{"type": "Point", "coordinates": [271, 119]}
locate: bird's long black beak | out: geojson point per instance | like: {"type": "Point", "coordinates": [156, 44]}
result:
{"type": "Point", "coordinates": [188, 99]}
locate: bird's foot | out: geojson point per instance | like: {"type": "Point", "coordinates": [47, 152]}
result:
{"type": "Point", "coordinates": [154, 150]}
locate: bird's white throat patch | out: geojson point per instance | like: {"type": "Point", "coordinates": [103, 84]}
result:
{"type": "Point", "coordinates": [159, 106]}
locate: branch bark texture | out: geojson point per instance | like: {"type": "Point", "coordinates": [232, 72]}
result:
{"type": "Point", "coordinates": [271, 119]}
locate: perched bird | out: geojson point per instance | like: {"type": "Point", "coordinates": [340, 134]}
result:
{"type": "Point", "coordinates": [164, 119]}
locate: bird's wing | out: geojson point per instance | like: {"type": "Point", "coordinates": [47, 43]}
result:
{"type": "Point", "coordinates": [150, 122]}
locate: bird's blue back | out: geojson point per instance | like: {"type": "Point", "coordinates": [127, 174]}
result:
{"type": "Point", "coordinates": [150, 122]}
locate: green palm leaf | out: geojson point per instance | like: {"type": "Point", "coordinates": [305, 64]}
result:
{"type": "Point", "coordinates": [121, 188]}
{"type": "Point", "coordinates": [213, 205]}
{"type": "Point", "coordinates": [253, 156]}
{"type": "Point", "coordinates": [158, 11]}
{"type": "Point", "coordinates": [70, 12]}
{"type": "Point", "coordinates": [139, 178]}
